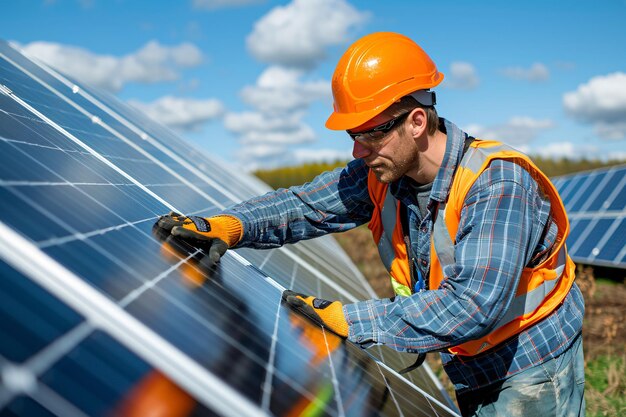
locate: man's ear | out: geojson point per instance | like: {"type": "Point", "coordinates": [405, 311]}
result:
{"type": "Point", "coordinates": [419, 122]}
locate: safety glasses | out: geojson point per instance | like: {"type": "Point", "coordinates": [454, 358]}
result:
{"type": "Point", "coordinates": [373, 135]}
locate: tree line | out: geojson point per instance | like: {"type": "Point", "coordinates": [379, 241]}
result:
{"type": "Point", "coordinates": [284, 177]}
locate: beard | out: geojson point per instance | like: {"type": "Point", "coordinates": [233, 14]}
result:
{"type": "Point", "coordinates": [392, 164]}
{"type": "Point", "coordinates": [388, 174]}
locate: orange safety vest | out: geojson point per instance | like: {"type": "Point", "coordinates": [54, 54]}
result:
{"type": "Point", "coordinates": [541, 289]}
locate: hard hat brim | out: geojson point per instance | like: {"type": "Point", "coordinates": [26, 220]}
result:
{"type": "Point", "coordinates": [347, 121]}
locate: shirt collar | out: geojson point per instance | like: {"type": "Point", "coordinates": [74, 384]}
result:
{"type": "Point", "coordinates": [451, 159]}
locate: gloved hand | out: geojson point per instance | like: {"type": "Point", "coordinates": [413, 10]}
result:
{"type": "Point", "coordinates": [214, 234]}
{"type": "Point", "coordinates": [325, 313]}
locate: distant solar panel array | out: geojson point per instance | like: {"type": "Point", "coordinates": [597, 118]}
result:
{"type": "Point", "coordinates": [596, 207]}
{"type": "Point", "coordinates": [97, 318]}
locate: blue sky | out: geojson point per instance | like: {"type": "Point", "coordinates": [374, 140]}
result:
{"type": "Point", "coordinates": [249, 80]}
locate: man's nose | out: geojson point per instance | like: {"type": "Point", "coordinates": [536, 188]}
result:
{"type": "Point", "coordinates": [359, 151]}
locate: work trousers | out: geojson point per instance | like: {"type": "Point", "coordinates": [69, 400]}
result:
{"type": "Point", "coordinates": [553, 389]}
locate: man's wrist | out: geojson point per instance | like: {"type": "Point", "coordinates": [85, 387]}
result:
{"type": "Point", "coordinates": [230, 226]}
{"type": "Point", "coordinates": [361, 326]}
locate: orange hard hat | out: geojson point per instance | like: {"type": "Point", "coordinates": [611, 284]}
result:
{"type": "Point", "coordinates": [373, 73]}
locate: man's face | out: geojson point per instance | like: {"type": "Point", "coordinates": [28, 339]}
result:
{"type": "Point", "coordinates": [391, 155]}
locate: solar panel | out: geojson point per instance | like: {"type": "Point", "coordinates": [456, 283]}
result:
{"type": "Point", "coordinates": [596, 206]}
{"type": "Point", "coordinates": [96, 318]}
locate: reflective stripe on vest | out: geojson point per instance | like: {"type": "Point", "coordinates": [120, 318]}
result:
{"type": "Point", "coordinates": [441, 238]}
{"type": "Point", "coordinates": [386, 251]}
{"type": "Point", "coordinates": [540, 289]}
{"type": "Point", "coordinates": [388, 218]}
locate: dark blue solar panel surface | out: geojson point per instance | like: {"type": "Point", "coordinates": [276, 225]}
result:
{"type": "Point", "coordinates": [591, 185]}
{"type": "Point", "coordinates": [596, 232]}
{"type": "Point", "coordinates": [59, 353]}
{"type": "Point", "coordinates": [82, 180]}
{"type": "Point", "coordinates": [596, 206]}
{"type": "Point", "coordinates": [21, 300]}
{"type": "Point", "coordinates": [613, 177]}
{"type": "Point", "coordinates": [614, 246]}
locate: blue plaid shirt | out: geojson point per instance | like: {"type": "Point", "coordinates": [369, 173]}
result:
{"type": "Point", "coordinates": [505, 225]}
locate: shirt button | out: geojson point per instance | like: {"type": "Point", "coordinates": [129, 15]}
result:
{"type": "Point", "coordinates": [424, 229]}
{"type": "Point", "coordinates": [424, 262]}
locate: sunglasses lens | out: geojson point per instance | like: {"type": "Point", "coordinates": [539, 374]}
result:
{"type": "Point", "coordinates": [379, 131]}
{"type": "Point", "coordinates": [377, 134]}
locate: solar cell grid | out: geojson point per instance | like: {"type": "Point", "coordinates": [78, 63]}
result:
{"type": "Point", "coordinates": [58, 364]}
{"type": "Point", "coordinates": [123, 148]}
{"type": "Point", "coordinates": [21, 301]}
{"type": "Point", "coordinates": [570, 187]}
{"type": "Point", "coordinates": [618, 198]}
{"type": "Point", "coordinates": [613, 248]}
{"type": "Point", "coordinates": [593, 234]}
{"type": "Point", "coordinates": [596, 206]}
{"type": "Point", "coordinates": [80, 188]}
{"type": "Point", "coordinates": [141, 132]}
{"type": "Point", "coordinates": [586, 193]}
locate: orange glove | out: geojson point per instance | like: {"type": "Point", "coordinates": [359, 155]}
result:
{"type": "Point", "coordinates": [325, 313]}
{"type": "Point", "coordinates": [214, 234]}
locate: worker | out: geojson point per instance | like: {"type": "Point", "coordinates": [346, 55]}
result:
{"type": "Point", "coordinates": [471, 232]}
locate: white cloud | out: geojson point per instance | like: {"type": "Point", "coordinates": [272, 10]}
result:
{"type": "Point", "coordinates": [293, 39]}
{"type": "Point", "coordinates": [616, 156]}
{"type": "Point", "coordinates": [462, 76]}
{"type": "Point", "coordinates": [241, 123]}
{"type": "Point", "coordinates": [297, 35]}
{"type": "Point", "coordinates": [262, 151]}
{"type": "Point", "coordinates": [303, 134]}
{"type": "Point", "coordinates": [280, 90]}
{"type": "Point", "coordinates": [270, 156]}
{"type": "Point", "coordinates": [558, 150]}
{"type": "Point", "coordinates": [602, 103]}
{"type": "Point", "coordinates": [273, 101]}
{"type": "Point", "coordinates": [151, 64]}
{"type": "Point", "coordinates": [537, 72]}
{"type": "Point", "coordinates": [279, 99]}
{"type": "Point", "coordinates": [611, 130]}
{"type": "Point", "coordinates": [279, 77]}
{"type": "Point", "coordinates": [221, 4]}
{"type": "Point", "coordinates": [302, 156]}
{"type": "Point", "coordinates": [254, 157]}
{"type": "Point", "coordinates": [180, 113]}
{"type": "Point", "coordinates": [518, 130]}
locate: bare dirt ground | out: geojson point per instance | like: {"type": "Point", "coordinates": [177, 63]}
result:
{"type": "Point", "coordinates": [605, 315]}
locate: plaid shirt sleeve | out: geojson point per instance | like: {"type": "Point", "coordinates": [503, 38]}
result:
{"type": "Point", "coordinates": [334, 201]}
{"type": "Point", "coordinates": [502, 224]}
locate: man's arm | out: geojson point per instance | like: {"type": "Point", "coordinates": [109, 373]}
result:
{"type": "Point", "coordinates": [502, 222]}
{"type": "Point", "coordinates": [334, 201]}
